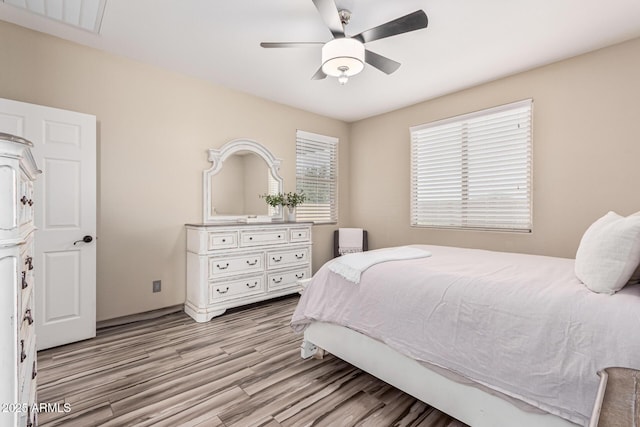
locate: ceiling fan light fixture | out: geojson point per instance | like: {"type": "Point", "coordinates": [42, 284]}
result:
{"type": "Point", "coordinates": [343, 78]}
{"type": "Point", "coordinates": [342, 58]}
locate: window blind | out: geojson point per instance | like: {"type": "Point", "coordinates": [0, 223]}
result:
{"type": "Point", "coordinates": [317, 177]}
{"type": "Point", "coordinates": [474, 171]}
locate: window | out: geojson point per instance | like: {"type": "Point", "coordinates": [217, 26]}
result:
{"type": "Point", "coordinates": [474, 171]}
{"type": "Point", "coordinates": [317, 177]}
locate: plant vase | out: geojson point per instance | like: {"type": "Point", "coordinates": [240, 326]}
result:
{"type": "Point", "coordinates": [291, 215]}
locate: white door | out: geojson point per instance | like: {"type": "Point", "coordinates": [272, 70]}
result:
{"type": "Point", "coordinates": [65, 212]}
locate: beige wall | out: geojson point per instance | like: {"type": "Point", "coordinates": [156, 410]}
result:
{"type": "Point", "coordinates": [154, 128]}
{"type": "Point", "coordinates": [586, 148]}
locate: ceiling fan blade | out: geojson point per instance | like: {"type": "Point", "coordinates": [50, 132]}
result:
{"type": "Point", "coordinates": [382, 63]}
{"type": "Point", "coordinates": [330, 16]}
{"type": "Point", "coordinates": [269, 45]}
{"type": "Point", "coordinates": [411, 22]}
{"type": "Point", "coordinates": [319, 75]}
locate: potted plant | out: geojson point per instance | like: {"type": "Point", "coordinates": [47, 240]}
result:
{"type": "Point", "coordinates": [292, 200]}
{"type": "Point", "coordinates": [274, 200]}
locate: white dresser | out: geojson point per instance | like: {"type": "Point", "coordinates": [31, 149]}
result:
{"type": "Point", "coordinates": [17, 328]}
{"type": "Point", "coordinates": [238, 264]}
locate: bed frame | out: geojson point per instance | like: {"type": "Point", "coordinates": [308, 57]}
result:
{"type": "Point", "coordinates": [464, 402]}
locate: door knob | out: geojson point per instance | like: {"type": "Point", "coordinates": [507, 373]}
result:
{"type": "Point", "coordinates": [85, 239]}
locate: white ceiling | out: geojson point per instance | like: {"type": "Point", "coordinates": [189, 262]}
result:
{"type": "Point", "coordinates": [466, 43]}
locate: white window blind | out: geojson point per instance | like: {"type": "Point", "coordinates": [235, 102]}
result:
{"type": "Point", "coordinates": [474, 171]}
{"type": "Point", "coordinates": [317, 177]}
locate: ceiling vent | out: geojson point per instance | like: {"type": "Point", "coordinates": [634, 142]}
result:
{"type": "Point", "coordinates": [84, 14]}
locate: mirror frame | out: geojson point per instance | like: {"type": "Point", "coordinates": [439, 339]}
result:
{"type": "Point", "coordinates": [217, 156]}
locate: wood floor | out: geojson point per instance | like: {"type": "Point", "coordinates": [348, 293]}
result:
{"type": "Point", "coordinates": [241, 369]}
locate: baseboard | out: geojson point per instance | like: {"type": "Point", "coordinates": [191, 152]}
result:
{"type": "Point", "coordinates": [153, 314]}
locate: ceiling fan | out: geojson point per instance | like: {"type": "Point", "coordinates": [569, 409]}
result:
{"type": "Point", "coordinates": [344, 56]}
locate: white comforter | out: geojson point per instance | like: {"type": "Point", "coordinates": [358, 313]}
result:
{"type": "Point", "coordinates": [519, 324]}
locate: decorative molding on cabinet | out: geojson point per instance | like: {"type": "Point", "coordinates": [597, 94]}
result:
{"type": "Point", "coordinates": [236, 264]}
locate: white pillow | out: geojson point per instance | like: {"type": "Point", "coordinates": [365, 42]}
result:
{"type": "Point", "coordinates": [609, 253]}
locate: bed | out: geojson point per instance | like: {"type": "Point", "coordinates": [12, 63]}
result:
{"type": "Point", "coordinates": [491, 338]}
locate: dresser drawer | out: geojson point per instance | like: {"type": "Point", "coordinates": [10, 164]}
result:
{"type": "Point", "coordinates": [262, 237]}
{"type": "Point", "coordinates": [26, 323]}
{"type": "Point", "coordinates": [25, 200]}
{"type": "Point", "coordinates": [27, 380]}
{"type": "Point", "coordinates": [223, 240]}
{"type": "Point", "coordinates": [25, 291]}
{"type": "Point", "coordinates": [30, 391]}
{"type": "Point", "coordinates": [238, 264]}
{"type": "Point", "coordinates": [287, 279]}
{"type": "Point", "coordinates": [299, 234]}
{"type": "Point", "coordinates": [237, 288]}
{"type": "Point", "coordinates": [26, 277]}
{"type": "Point", "coordinates": [289, 257]}
{"type": "Point", "coordinates": [26, 358]}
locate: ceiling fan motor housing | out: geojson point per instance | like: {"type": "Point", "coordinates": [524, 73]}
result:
{"type": "Point", "coordinates": [342, 56]}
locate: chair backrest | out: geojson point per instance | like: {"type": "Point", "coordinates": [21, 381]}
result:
{"type": "Point", "coordinates": [336, 242]}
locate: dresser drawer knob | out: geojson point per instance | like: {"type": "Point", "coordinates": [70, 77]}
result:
{"type": "Point", "coordinates": [27, 316]}
{"type": "Point", "coordinates": [223, 292]}
{"type": "Point", "coordinates": [299, 234]}
{"type": "Point", "coordinates": [250, 286]}
{"type": "Point", "coordinates": [299, 276]}
{"type": "Point", "coordinates": [300, 256]}
{"type": "Point", "coordinates": [279, 236]}
{"type": "Point", "coordinates": [25, 284]}
{"type": "Point", "coordinates": [277, 259]}
{"type": "Point", "coordinates": [23, 355]}
{"type": "Point", "coordinates": [277, 280]}
{"type": "Point", "coordinates": [250, 238]}
{"type": "Point", "coordinates": [223, 267]}
{"type": "Point", "coordinates": [252, 263]}
{"type": "Point", "coordinates": [224, 240]}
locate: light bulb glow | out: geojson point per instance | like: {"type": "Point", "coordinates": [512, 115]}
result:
{"type": "Point", "coordinates": [343, 78]}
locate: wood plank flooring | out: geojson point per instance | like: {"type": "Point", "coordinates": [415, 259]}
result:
{"type": "Point", "coordinates": [241, 369]}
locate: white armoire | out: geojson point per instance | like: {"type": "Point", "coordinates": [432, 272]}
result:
{"type": "Point", "coordinates": [17, 270]}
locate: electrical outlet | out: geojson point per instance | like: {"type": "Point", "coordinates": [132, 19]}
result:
{"type": "Point", "coordinates": [157, 286]}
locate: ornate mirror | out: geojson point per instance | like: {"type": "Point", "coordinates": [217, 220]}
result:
{"type": "Point", "coordinates": [241, 171]}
